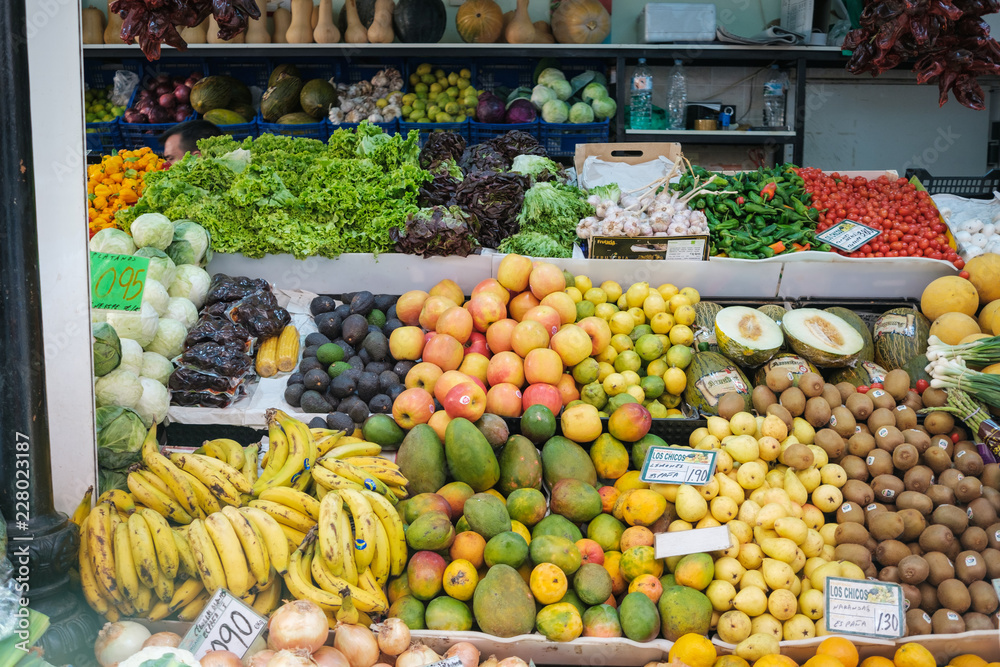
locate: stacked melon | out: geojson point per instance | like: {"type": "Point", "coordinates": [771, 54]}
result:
{"type": "Point", "coordinates": [965, 308]}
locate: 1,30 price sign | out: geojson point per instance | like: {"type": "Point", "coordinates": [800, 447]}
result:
{"type": "Point", "coordinates": [225, 624]}
{"type": "Point", "coordinates": [867, 608]}
{"type": "Point", "coordinates": [117, 281]}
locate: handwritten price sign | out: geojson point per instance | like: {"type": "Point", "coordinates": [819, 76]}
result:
{"type": "Point", "coordinates": [669, 465]}
{"type": "Point", "coordinates": [117, 281]}
{"type": "Point", "coordinates": [867, 608]}
{"type": "Point", "coordinates": [225, 624]}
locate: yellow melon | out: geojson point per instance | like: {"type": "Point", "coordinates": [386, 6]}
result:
{"type": "Point", "coordinates": [993, 369]}
{"type": "Point", "coordinates": [995, 327]}
{"type": "Point", "coordinates": [953, 327]}
{"type": "Point", "coordinates": [984, 274]}
{"type": "Point", "coordinates": [949, 294]}
{"type": "Point", "coordinates": [986, 315]}
{"type": "Point", "coordinates": [973, 337]}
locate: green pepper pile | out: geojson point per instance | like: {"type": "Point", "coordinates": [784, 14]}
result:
{"type": "Point", "coordinates": [768, 213]}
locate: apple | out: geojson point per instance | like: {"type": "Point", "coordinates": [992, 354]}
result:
{"type": "Point", "coordinates": [546, 278]}
{"type": "Point", "coordinates": [581, 423]}
{"type": "Point", "coordinates": [434, 307]}
{"type": "Point", "coordinates": [474, 365]}
{"type": "Point", "coordinates": [563, 304]}
{"type": "Point", "coordinates": [414, 406]}
{"type": "Point", "coordinates": [567, 389]}
{"type": "Point", "coordinates": [439, 422]}
{"type": "Point", "coordinates": [504, 400]}
{"type": "Point", "coordinates": [406, 343]}
{"type": "Point", "coordinates": [572, 343]}
{"type": "Point", "coordinates": [486, 309]}
{"type": "Point", "coordinates": [491, 286]}
{"type": "Point", "coordinates": [477, 344]}
{"type": "Point", "coordinates": [423, 375]}
{"type": "Point", "coordinates": [527, 336]}
{"type": "Point", "coordinates": [450, 290]}
{"type": "Point", "coordinates": [547, 316]}
{"type": "Point", "coordinates": [590, 551]}
{"type": "Point", "coordinates": [456, 322]}
{"type": "Point", "coordinates": [409, 305]}
{"type": "Point", "coordinates": [448, 380]}
{"type": "Point", "coordinates": [513, 272]}
{"type": "Point", "coordinates": [444, 351]}
{"type": "Point", "coordinates": [542, 394]}
{"type": "Point", "coordinates": [521, 304]}
{"type": "Point", "coordinates": [467, 400]}
{"type": "Point", "coordinates": [505, 367]}
{"type": "Point", "coordinates": [498, 335]}
{"type": "Point", "coordinates": [599, 331]}
{"type": "Point", "coordinates": [543, 365]}
{"type": "Point", "coordinates": [630, 422]}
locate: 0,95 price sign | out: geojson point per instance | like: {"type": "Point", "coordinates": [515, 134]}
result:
{"type": "Point", "coordinates": [117, 281]}
{"type": "Point", "coordinates": [670, 465]}
{"type": "Point", "coordinates": [225, 624]}
{"type": "Point", "coordinates": [868, 608]}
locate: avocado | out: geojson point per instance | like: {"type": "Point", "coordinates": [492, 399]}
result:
{"type": "Point", "coordinates": [309, 363]}
{"type": "Point", "coordinates": [377, 367]}
{"type": "Point", "coordinates": [337, 368]}
{"type": "Point", "coordinates": [293, 394]}
{"type": "Point", "coordinates": [343, 310]}
{"type": "Point", "coordinates": [355, 328]}
{"type": "Point", "coordinates": [322, 304]}
{"type": "Point", "coordinates": [310, 351]}
{"type": "Point", "coordinates": [294, 378]}
{"type": "Point", "coordinates": [384, 302]}
{"type": "Point", "coordinates": [338, 421]}
{"type": "Point", "coordinates": [390, 326]}
{"type": "Point", "coordinates": [376, 318]}
{"type": "Point", "coordinates": [349, 350]}
{"type": "Point", "coordinates": [383, 430]}
{"type": "Point", "coordinates": [317, 339]}
{"type": "Point", "coordinates": [380, 404]}
{"type": "Point", "coordinates": [395, 391]}
{"type": "Point", "coordinates": [317, 422]}
{"type": "Point", "coordinates": [312, 402]}
{"type": "Point", "coordinates": [342, 386]}
{"type": "Point", "coordinates": [328, 324]}
{"type": "Point", "coordinates": [364, 357]}
{"type": "Point", "coordinates": [391, 313]}
{"type": "Point", "coordinates": [386, 380]}
{"type": "Point", "coordinates": [367, 386]}
{"type": "Point", "coordinates": [355, 408]}
{"type": "Point", "coordinates": [403, 367]}
{"type": "Point", "coordinates": [363, 303]}
{"type": "Point", "coordinates": [354, 373]}
{"type": "Point", "coordinates": [377, 345]}
{"type": "Point", "coordinates": [316, 379]}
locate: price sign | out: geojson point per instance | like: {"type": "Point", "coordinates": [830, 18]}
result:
{"type": "Point", "coordinates": [867, 608]}
{"type": "Point", "coordinates": [673, 465]}
{"type": "Point", "coordinates": [848, 235]}
{"type": "Point", "coordinates": [116, 281]}
{"type": "Point", "coordinates": [225, 624]}
{"type": "Point", "coordinates": [447, 662]}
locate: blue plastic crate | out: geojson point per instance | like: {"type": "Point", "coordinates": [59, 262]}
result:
{"type": "Point", "coordinates": [138, 135]}
{"type": "Point", "coordinates": [250, 71]}
{"type": "Point", "coordinates": [318, 130]}
{"type": "Point", "coordinates": [354, 69]}
{"type": "Point", "coordinates": [392, 127]}
{"type": "Point", "coordinates": [560, 139]}
{"type": "Point", "coordinates": [104, 138]}
{"type": "Point", "coordinates": [480, 132]}
{"type": "Point", "coordinates": [425, 129]}
{"type": "Point", "coordinates": [238, 131]}
{"type": "Point", "coordinates": [512, 73]}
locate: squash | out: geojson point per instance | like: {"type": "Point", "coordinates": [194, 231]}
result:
{"type": "Point", "coordinates": [420, 21]}
{"type": "Point", "coordinates": [355, 33]}
{"type": "Point", "coordinates": [325, 32]}
{"type": "Point", "coordinates": [282, 19]}
{"type": "Point", "coordinates": [314, 17]}
{"type": "Point", "coordinates": [520, 30]}
{"type": "Point", "coordinates": [92, 21]}
{"type": "Point", "coordinates": [543, 33]}
{"type": "Point", "coordinates": [479, 21]}
{"type": "Point", "coordinates": [113, 31]}
{"type": "Point", "coordinates": [581, 22]}
{"type": "Point", "coordinates": [213, 34]}
{"type": "Point", "coordinates": [507, 17]}
{"type": "Point", "coordinates": [196, 34]}
{"type": "Point", "coordinates": [299, 31]}
{"type": "Point", "coordinates": [380, 31]}
{"type": "Point", "coordinates": [257, 31]}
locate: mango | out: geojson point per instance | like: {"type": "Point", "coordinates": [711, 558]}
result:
{"type": "Point", "coordinates": [410, 610]}
{"type": "Point", "coordinates": [422, 503]}
{"type": "Point", "coordinates": [520, 466]}
{"type": "Point", "coordinates": [456, 493]}
{"type": "Point", "coordinates": [683, 610]}
{"type": "Point", "coordinates": [508, 548]}
{"type": "Point", "coordinates": [469, 455]}
{"type": "Point", "coordinates": [487, 515]}
{"type": "Point", "coordinates": [640, 447]}
{"type": "Point", "coordinates": [574, 599]}
{"type": "Point", "coordinates": [695, 570]}
{"type": "Point", "coordinates": [503, 604]}
{"type": "Point", "coordinates": [564, 459]}
{"type": "Point", "coordinates": [612, 564]}
{"type": "Point", "coordinates": [421, 459]}
{"type": "Point", "coordinates": [430, 532]}
{"type": "Point", "coordinates": [643, 507]}
{"type": "Point", "coordinates": [606, 531]}
{"type": "Point", "coordinates": [601, 621]}
{"type": "Point", "coordinates": [577, 501]}
{"type": "Point", "coordinates": [447, 613]}
{"type": "Point", "coordinates": [555, 524]}
{"type": "Point", "coordinates": [424, 574]}
{"type": "Point", "coordinates": [640, 560]}
{"type": "Point", "coordinates": [560, 622]}
{"type": "Point", "coordinates": [592, 583]}
{"type": "Point", "coordinates": [556, 550]}
{"type": "Point", "coordinates": [527, 506]}
{"type": "Point", "coordinates": [639, 618]}
{"type": "Point", "coordinates": [609, 456]}
{"type": "Point", "coordinates": [460, 579]}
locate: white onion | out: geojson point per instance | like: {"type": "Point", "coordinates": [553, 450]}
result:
{"type": "Point", "coordinates": [294, 658]}
{"type": "Point", "coordinates": [393, 636]}
{"type": "Point", "coordinates": [357, 643]}
{"type": "Point", "coordinates": [989, 229]}
{"type": "Point", "coordinates": [512, 661]}
{"type": "Point", "coordinates": [979, 240]}
{"type": "Point", "coordinates": [418, 655]}
{"type": "Point", "coordinates": [327, 656]}
{"type": "Point", "coordinates": [297, 624]}
{"type": "Point", "coordinates": [258, 659]}
{"type": "Point", "coordinates": [163, 639]}
{"type": "Point", "coordinates": [220, 659]}
{"type": "Point", "coordinates": [118, 641]}
{"type": "Point", "coordinates": [466, 652]}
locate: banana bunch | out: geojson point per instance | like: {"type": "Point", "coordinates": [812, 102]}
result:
{"type": "Point", "coordinates": [357, 465]}
{"type": "Point", "coordinates": [292, 453]}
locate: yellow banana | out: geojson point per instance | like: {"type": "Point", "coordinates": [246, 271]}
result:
{"type": "Point", "coordinates": [382, 561]}
{"type": "Point", "coordinates": [385, 473]}
{"type": "Point", "coordinates": [343, 451]}
{"type": "Point", "coordinates": [101, 539]}
{"type": "Point", "coordinates": [230, 551]}
{"type": "Point", "coordinates": [376, 597]}
{"type": "Point", "coordinates": [399, 491]}
{"type": "Point", "coordinates": [252, 543]}
{"type": "Point", "coordinates": [355, 474]}
{"type": "Point", "coordinates": [156, 500]}
{"type": "Point", "coordinates": [226, 450]}
{"type": "Point", "coordinates": [322, 432]}
{"type": "Point", "coordinates": [303, 589]}
{"type": "Point", "coordinates": [269, 597]}
{"type": "Point", "coordinates": [122, 501]}
{"type": "Point", "coordinates": [327, 442]}
{"type": "Point", "coordinates": [233, 475]}
{"type": "Point", "coordinates": [285, 515]}
{"type": "Point", "coordinates": [348, 612]}
{"type": "Point", "coordinates": [328, 542]}
{"type": "Point", "coordinates": [156, 483]}
{"type": "Point", "coordinates": [250, 463]}
{"type": "Point", "coordinates": [163, 468]}
{"type": "Point", "coordinates": [143, 551]}
{"type": "Point", "coordinates": [302, 482]}
{"type": "Point", "coordinates": [294, 537]}
{"type": "Point", "coordinates": [364, 527]}
{"type": "Point", "coordinates": [144, 600]}
{"type": "Point", "coordinates": [83, 509]}
{"type": "Point", "coordinates": [300, 453]}
{"type": "Point", "coordinates": [191, 610]}
{"type": "Point", "coordinates": [206, 501]}
{"type": "Point", "coordinates": [389, 518]}
{"type": "Point", "coordinates": [350, 573]}
{"type": "Point", "coordinates": [296, 500]}
{"type": "Point", "coordinates": [185, 594]}
{"type": "Point", "coordinates": [370, 461]}
{"type": "Point", "coordinates": [272, 536]}
{"type": "Point", "coordinates": [221, 487]}
{"type": "Point", "coordinates": [206, 557]}
{"type": "Point", "coordinates": [320, 492]}
{"type": "Point", "coordinates": [124, 567]}
{"type": "Point", "coordinates": [167, 555]}
{"type": "Point", "coordinates": [185, 557]}
{"type": "Point", "coordinates": [277, 451]}
{"type": "Point", "coordinates": [88, 578]}
{"type": "Point", "coordinates": [164, 588]}
{"type": "Point", "coordinates": [125, 607]}
{"type": "Point", "coordinates": [331, 480]}
{"type": "Point", "coordinates": [363, 600]}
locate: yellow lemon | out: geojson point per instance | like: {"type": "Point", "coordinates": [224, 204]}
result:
{"type": "Point", "coordinates": [637, 294]}
{"type": "Point", "coordinates": [604, 369]}
{"type": "Point", "coordinates": [661, 323]}
{"type": "Point", "coordinates": [654, 305]}
{"type": "Point", "coordinates": [675, 380]}
{"type": "Point", "coordinates": [582, 282]}
{"type": "Point", "coordinates": [677, 301]}
{"type": "Point", "coordinates": [574, 294]}
{"type": "Point", "coordinates": [605, 311]}
{"type": "Point", "coordinates": [657, 367]}
{"type": "Point", "coordinates": [621, 342]}
{"type": "Point", "coordinates": [685, 315]}
{"type": "Point", "coordinates": [622, 323]}
{"type": "Point", "coordinates": [595, 295]}
{"type": "Point", "coordinates": [636, 392]}
{"type": "Point", "coordinates": [622, 302]}
{"type": "Point", "coordinates": [614, 384]}
{"type": "Point", "coordinates": [637, 315]}
{"type": "Point", "coordinates": [694, 650]}
{"type": "Point", "coordinates": [692, 295]}
{"type": "Point", "coordinates": [681, 334]}
{"type": "Point", "coordinates": [612, 289]}
{"type": "Point", "coordinates": [607, 355]}
{"type": "Point", "coordinates": [632, 379]}
{"type": "Point", "coordinates": [667, 290]}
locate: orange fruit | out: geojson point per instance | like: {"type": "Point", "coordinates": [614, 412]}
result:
{"type": "Point", "coordinates": [913, 654]}
{"type": "Point", "coordinates": [730, 661]}
{"type": "Point", "coordinates": [822, 660]}
{"type": "Point", "coordinates": [967, 660]}
{"type": "Point", "coordinates": [877, 661]}
{"type": "Point", "coordinates": [840, 648]}
{"type": "Point", "coordinates": [693, 650]}
{"type": "Point", "coordinates": [775, 660]}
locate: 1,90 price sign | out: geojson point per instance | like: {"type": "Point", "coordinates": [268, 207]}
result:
{"type": "Point", "coordinates": [225, 624]}
{"type": "Point", "coordinates": [117, 281]}
{"type": "Point", "coordinates": [672, 465]}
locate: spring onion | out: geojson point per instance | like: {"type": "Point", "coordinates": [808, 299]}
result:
{"type": "Point", "coordinates": [952, 373]}
{"type": "Point", "coordinates": [982, 352]}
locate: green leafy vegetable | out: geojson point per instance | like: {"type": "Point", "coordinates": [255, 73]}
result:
{"type": "Point", "coordinates": [554, 210]}
{"type": "Point", "coordinates": [534, 244]}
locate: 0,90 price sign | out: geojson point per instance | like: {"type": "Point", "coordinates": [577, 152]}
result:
{"type": "Point", "coordinates": [225, 624]}
{"type": "Point", "coordinates": [117, 281]}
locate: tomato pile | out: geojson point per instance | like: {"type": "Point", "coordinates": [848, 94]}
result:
{"type": "Point", "coordinates": [907, 217]}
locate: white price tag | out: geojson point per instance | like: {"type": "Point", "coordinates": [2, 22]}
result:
{"type": "Point", "coordinates": [225, 624]}
{"type": "Point", "coordinates": [867, 608]}
{"type": "Point", "coordinates": [675, 465]}
{"type": "Point", "coordinates": [447, 662]}
{"type": "Point", "coordinates": [848, 235]}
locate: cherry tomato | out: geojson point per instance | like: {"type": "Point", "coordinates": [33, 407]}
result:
{"type": "Point", "coordinates": [863, 389]}
{"type": "Point", "coordinates": [922, 385]}
{"type": "Point", "coordinates": [964, 274]}
{"type": "Point", "coordinates": [955, 437]}
{"type": "Point", "coordinates": [876, 385]}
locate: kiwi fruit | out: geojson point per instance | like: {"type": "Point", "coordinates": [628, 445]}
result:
{"type": "Point", "coordinates": [860, 444]}
{"type": "Point", "coordinates": [811, 384]}
{"type": "Point", "coordinates": [982, 513]}
{"type": "Point", "coordinates": [862, 427]}
{"type": "Point", "coordinates": [991, 475]}
{"type": "Point", "coordinates": [913, 401]}
{"type": "Point", "coordinates": [992, 559]}
{"type": "Point", "coordinates": [855, 467]}
{"type": "Point", "coordinates": [918, 438]}
{"type": "Point", "coordinates": [854, 553]}
{"type": "Point", "coordinates": [954, 595]}
{"type": "Point", "coordinates": [969, 462]}
{"type": "Point", "coordinates": [860, 405]}
{"type": "Point", "coordinates": [729, 404]}
{"type": "Point", "coordinates": [976, 621]}
{"type": "Point", "coordinates": [846, 390]}
{"type": "Point", "coordinates": [879, 418]}
{"type": "Point", "coordinates": [928, 597]}
{"type": "Point", "coordinates": [832, 396]}
{"type": "Point", "coordinates": [793, 400]}
{"type": "Point", "coordinates": [938, 423]}
{"type": "Point", "coordinates": [911, 596]}
{"type": "Point", "coordinates": [969, 567]}
{"type": "Point", "coordinates": [968, 489]}
{"type": "Point", "coordinates": [887, 487]}
{"type": "Point", "coordinates": [951, 517]}
{"type": "Point", "coordinates": [851, 533]}
{"type": "Point", "coordinates": [993, 536]}
{"type": "Point", "coordinates": [891, 552]}
{"type": "Point", "coordinates": [797, 456]}
{"type": "Point", "coordinates": [879, 463]}
{"type": "Point", "coordinates": [941, 495]}
{"type": "Point", "coordinates": [871, 545]}
{"type": "Point", "coordinates": [939, 566]}
{"type": "Point", "coordinates": [850, 512]}
{"type": "Point", "coordinates": [915, 548]}
{"type": "Point", "coordinates": [913, 522]}
{"type": "Point", "coordinates": [905, 418]}
{"type": "Point", "coordinates": [858, 492]}
{"type": "Point", "coordinates": [950, 478]}
{"type": "Point", "coordinates": [916, 501]}
{"type": "Point", "coordinates": [890, 574]}
{"type": "Point", "coordinates": [943, 442]}
{"type": "Point", "coordinates": [830, 441]}
{"type": "Point", "coordinates": [817, 411]}
{"type": "Point", "coordinates": [778, 380]}
{"type": "Point", "coordinates": [992, 495]}
{"type": "Point", "coordinates": [885, 526]}
{"type": "Point", "coordinates": [966, 445]}
{"type": "Point", "coordinates": [936, 459]}
{"type": "Point", "coordinates": [974, 539]}
{"type": "Point", "coordinates": [947, 622]}
{"type": "Point", "coordinates": [913, 570]}
{"type": "Point", "coordinates": [881, 399]}
{"type": "Point", "coordinates": [897, 383]}
{"type": "Point", "coordinates": [984, 597]}
{"type": "Point", "coordinates": [762, 397]}
{"type": "Point", "coordinates": [888, 437]}
{"type": "Point", "coordinates": [842, 421]}
{"type": "Point", "coordinates": [918, 477]}
{"type": "Point", "coordinates": [782, 413]}
{"type": "Point", "coordinates": [872, 510]}
{"type": "Point", "coordinates": [906, 456]}
{"type": "Point", "coordinates": [918, 622]}
{"type": "Point", "coordinates": [934, 398]}
{"type": "Point", "coordinates": [937, 537]}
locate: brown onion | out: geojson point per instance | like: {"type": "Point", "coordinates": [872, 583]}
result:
{"type": "Point", "coordinates": [418, 655]}
{"type": "Point", "coordinates": [357, 643]}
{"type": "Point", "coordinates": [294, 658]}
{"type": "Point", "coordinates": [258, 659]}
{"type": "Point", "coordinates": [490, 662]}
{"type": "Point", "coordinates": [163, 639]}
{"type": "Point", "coordinates": [220, 659]}
{"type": "Point", "coordinates": [512, 661]}
{"type": "Point", "coordinates": [299, 624]}
{"type": "Point", "coordinates": [327, 656]}
{"type": "Point", "coordinates": [466, 652]}
{"type": "Point", "coordinates": [393, 636]}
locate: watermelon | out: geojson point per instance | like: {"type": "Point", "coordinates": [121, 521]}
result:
{"type": "Point", "coordinates": [420, 21]}
{"type": "Point", "coordinates": [774, 311]}
{"type": "Point", "coordinates": [863, 373]}
{"type": "Point", "coordinates": [822, 337]}
{"type": "Point", "coordinates": [868, 351]}
{"type": "Point", "coordinates": [709, 376]}
{"type": "Point", "coordinates": [792, 363]}
{"type": "Point", "coordinates": [281, 99]}
{"type": "Point", "coordinates": [899, 335]}
{"type": "Point", "coordinates": [704, 322]}
{"type": "Point", "coordinates": [747, 336]}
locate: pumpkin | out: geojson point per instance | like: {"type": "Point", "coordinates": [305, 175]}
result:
{"type": "Point", "coordinates": [325, 32]}
{"type": "Point", "coordinates": [212, 36]}
{"type": "Point", "coordinates": [93, 26]}
{"type": "Point", "coordinates": [113, 31]}
{"type": "Point", "coordinates": [479, 21]}
{"type": "Point", "coordinates": [581, 22]}
{"type": "Point", "coordinates": [420, 21]}
{"type": "Point", "coordinates": [520, 30]}
{"type": "Point", "coordinates": [257, 31]}
{"type": "Point", "coordinates": [300, 29]}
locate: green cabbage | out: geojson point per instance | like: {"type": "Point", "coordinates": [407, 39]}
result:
{"type": "Point", "coordinates": [191, 244]}
{"type": "Point", "coordinates": [154, 402]}
{"type": "Point", "coordinates": [152, 229]}
{"type": "Point", "coordinates": [541, 94]}
{"type": "Point", "coordinates": [119, 387]}
{"type": "Point", "coordinates": [119, 436]}
{"type": "Point", "coordinates": [182, 310]}
{"type": "Point", "coordinates": [138, 325]}
{"type": "Point", "coordinates": [563, 89]}
{"type": "Point", "coordinates": [593, 91]}
{"type": "Point", "coordinates": [161, 267]}
{"type": "Point", "coordinates": [555, 111]}
{"type": "Point", "coordinates": [604, 107]}
{"type": "Point", "coordinates": [156, 367]}
{"type": "Point", "coordinates": [155, 294]}
{"type": "Point", "coordinates": [191, 283]}
{"type": "Point", "coordinates": [581, 113]}
{"type": "Point", "coordinates": [107, 349]}
{"type": "Point", "coordinates": [169, 338]}
{"type": "Point", "coordinates": [113, 241]}
{"type": "Point", "coordinates": [550, 75]}
{"type": "Point", "coordinates": [131, 356]}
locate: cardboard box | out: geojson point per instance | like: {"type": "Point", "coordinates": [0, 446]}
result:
{"type": "Point", "coordinates": [629, 153]}
{"type": "Point", "coordinates": [681, 248]}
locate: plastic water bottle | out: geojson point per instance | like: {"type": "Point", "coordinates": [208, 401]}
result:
{"type": "Point", "coordinates": [775, 92]}
{"type": "Point", "coordinates": [641, 99]}
{"type": "Point", "coordinates": [677, 98]}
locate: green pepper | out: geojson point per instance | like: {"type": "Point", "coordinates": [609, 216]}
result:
{"type": "Point", "coordinates": [767, 252]}
{"type": "Point", "coordinates": [742, 255]}
{"type": "Point", "coordinates": [770, 229]}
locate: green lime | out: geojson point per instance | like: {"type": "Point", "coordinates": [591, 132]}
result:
{"type": "Point", "coordinates": [377, 318]}
{"type": "Point", "coordinates": [619, 400]}
{"type": "Point", "coordinates": [538, 424]}
{"type": "Point", "coordinates": [337, 368]}
{"type": "Point", "coordinates": [586, 371]}
{"type": "Point", "coordinates": [628, 360]}
{"type": "Point", "coordinates": [652, 386]}
{"type": "Point", "coordinates": [585, 309]}
{"type": "Point", "coordinates": [639, 331]}
{"type": "Point", "coordinates": [648, 347]}
{"type": "Point", "coordinates": [329, 353]}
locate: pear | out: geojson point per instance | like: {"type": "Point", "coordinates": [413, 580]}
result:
{"type": "Point", "coordinates": [766, 624]}
{"type": "Point", "coordinates": [774, 427]}
{"type": "Point", "coordinates": [827, 497]}
{"type": "Point", "coordinates": [728, 569]}
{"type": "Point", "coordinates": [803, 431]}
{"type": "Point", "coordinates": [811, 603]}
{"type": "Point", "coordinates": [794, 488]}
{"type": "Point", "coordinates": [752, 601]}
{"type": "Point", "coordinates": [813, 544]}
{"type": "Point", "coordinates": [734, 626]}
{"type": "Point", "coordinates": [833, 474]}
{"type": "Point", "coordinates": [818, 576]}
{"type": "Point", "coordinates": [755, 647]}
{"type": "Point", "coordinates": [750, 475]}
{"type": "Point", "coordinates": [721, 594]}
{"type": "Point", "coordinates": [849, 570]}
{"type": "Point", "coordinates": [690, 505]}
{"type": "Point", "coordinates": [748, 512]}
{"type": "Point", "coordinates": [710, 489]}
{"type": "Point", "coordinates": [811, 478]}
{"type": "Point", "coordinates": [769, 513]}
{"type": "Point", "coordinates": [780, 548]}
{"type": "Point", "coordinates": [782, 604]}
{"type": "Point", "coordinates": [777, 574]}
{"type": "Point", "coordinates": [742, 448]}
{"type": "Point", "coordinates": [794, 529]}
{"type": "Point", "coordinates": [753, 579]}
{"type": "Point", "coordinates": [820, 457]}
{"type": "Point", "coordinates": [750, 557]}
{"type": "Point", "coordinates": [724, 509]}
{"type": "Point", "coordinates": [799, 626]}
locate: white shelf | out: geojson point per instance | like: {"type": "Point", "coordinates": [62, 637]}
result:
{"type": "Point", "coordinates": [716, 133]}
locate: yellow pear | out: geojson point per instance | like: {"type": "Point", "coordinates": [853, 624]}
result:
{"type": "Point", "coordinates": [818, 576]}
{"type": "Point", "coordinates": [761, 534]}
{"type": "Point", "coordinates": [803, 431]}
{"type": "Point", "coordinates": [820, 457]}
{"type": "Point", "coordinates": [794, 529]}
{"type": "Point", "coordinates": [750, 556]}
{"type": "Point", "coordinates": [827, 497]}
{"type": "Point", "coordinates": [748, 512]}
{"type": "Point", "coordinates": [812, 564]}
{"type": "Point", "coordinates": [724, 509]}
{"type": "Point", "coordinates": [707, 521]}
{"type": "Point", "coordinates": [742, 448]}
{"type": "Point", "coordinates": [780, 548]}
{"type": "Point", "coordinates": [799, 626]}
{"type": "Point", "coordinates": [794, 488]}
{"type": "Point", "coordinates": [813, 544]}
{"type": "Point", "coordinates": [766, 624]}
{"type": "Point", "coordinates": [743, 423]}
{"type": "Point", "coordinates": [833, 474]}
{"type": "Point", "coordinates": [734, 544]}
{"type": "Point", "coordinates": [777, 574]}
{"type": "Point", "coordinates": [829, 552]}
{"type": "Point", "coordinates": [734, 626]}
{"type": "Point", "coordinates": [751, 475]}
{"type": "Point", "coordinates": [729, 569]}
{"type": "Point", "coordinates": [849, 570]}
{"type": "Point", "coordinates": [757, 495]}
{"type": "Point", "coordinates": [721, 594]}
{"type": "Point", "coordinates": [769, 513]}
{"type": "Point", "coordinates": [752, 601]}
{"type": "Point", "coordinates": [730, 489]}
{"type": "Point", "coordinates": [812, 516]}
{"type": "Point", "coordinates": [741, 531]}
{"type": "Point", "coordinates": [796, 584]}
{"type": "Point", "coordinates": [690, 505]}
{"type": "Point", "coordinates": [775, 478]}
{"type": "Point", "coordinates": [708, 442]}
{"type": "Point", "coordinates": [697, 435]}
{"type": "Point", "coordinates": [755, 647]}
{"type": "Point", "coordinates": [782, 604]}
{"type": "Point", "coordinates": [810, 478]}
{"type": "Point", "coordinates": [795, 510]}
{"type": "Point", "coordinates": [827, 531]}
{"type": "Point", "coordinates": [811, 603]}
{"type": "Point", "coordinates": [718, 427]}
{"type": "Point", "coordinates": [779, 496]}
{"type": "Point", "coordinates": [774, 426]}
{"type": "Point", "coordinates": [709, 490]}
{"type": "Point", "coordinates": [753, 579]}
{"type": "Point", "coordinates": [668, 491]}
{"type": "Point", "coordinates": [799, 561]}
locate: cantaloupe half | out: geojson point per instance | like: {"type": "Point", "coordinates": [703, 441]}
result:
{"type": "Point", "coordinates": [949, 294]}
{"type": "Point", "coordinates": [953, 327]}
{"type": "Point", "coordinates": [984, 274]}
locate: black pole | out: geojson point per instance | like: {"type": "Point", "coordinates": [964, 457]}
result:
{"type": "Point", "coordinates": [42, 544]}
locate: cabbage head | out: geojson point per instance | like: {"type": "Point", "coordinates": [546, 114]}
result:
{"type": "Point", "coordinates": [581, 113]}
{"type": "Point", "coordinates": [120, 433]}
{"type": "Point", "coordinates": [131, 356]}
{"type": "Point", "coordinates": [154, 402]}
{"type": "Point", "coordinates": [161, 267]}
{"type": "Point", "coordinates": [593, 91]}
{"type": "Point", "coordinates": [182, 310]}
{"type": "Point", "coordinates": [191, 283]}
{"type": "Point", "coordinates": [113, 241]}
{"type": "Point", "coordinates": [555, 111]}
{"type": "Point", "coordinates": [156, 367]}
{"type": "Point", "coordinates": [604, 107]}
{"type": "Point", "coordinates": [169, 338]}
{"type": "Point", "coordinates": [191, 244]}
{"type": "Point", "coordinates": [107, 349]}
{"type": "Point", "coordinates": [550, 75]}
{"type": "Point", "coordinates": [563, 89]}
{"type": "Point", "coordinates": [119, 387]}
{"type": "Point", "coordinates": [541, 94]}
{"type": "Point", "coordinates": [138, 325]}
{"type": "Point", "coordinates": [152, 229]}
{"type": "Point", "coordinates": [98, 315]}
{"type": "Point", "coordinates": [154, 293]}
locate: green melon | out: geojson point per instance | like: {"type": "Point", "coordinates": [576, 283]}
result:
{"type": "Point", "coordinates": [864, 373]}
{"type": "Point", "coordinates": [238, 91]}
{"type": "Point", "coordinates": [774, 311]}
{"type": "Point", "coordinates": [286, 69]}
{"type": "Point", "coordinates": [245, 110]}
{"type": "Point", "coordinates": [317, 97]}
{"type": "Point", "coordinates": [821, 337]}
{"type": "Point", "coordinates": [281, 99]}
{"type": "Point", "coordinates": [917, 368]}
{"type": "Point", "coordinates": [788, 361]}
{"type": "Point", "coordinates": [746, 335]}
{"type": "Point", "coordinates": [704, 323]}
{"type": "Point", "coordinates": [711, 375]}
{"type": "Point", "coordinates": [900, 334]}
{"type": "Point", "coordinates": [224, 117]}
{"type": "Point", "coordinates": [212, 92]}
{"type": "Point", "coordinates": [868, 351]}
{"type": "Point", "coordinates": [296, 118]}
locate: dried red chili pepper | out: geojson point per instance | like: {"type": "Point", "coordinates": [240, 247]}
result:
{"type": "Point", "coordinates": [155, 22]}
